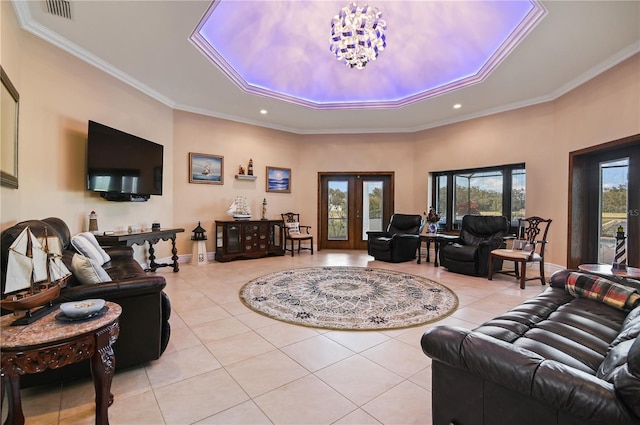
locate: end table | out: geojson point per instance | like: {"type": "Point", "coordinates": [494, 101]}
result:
{"type": "Point", "coordinates": [50, 344]}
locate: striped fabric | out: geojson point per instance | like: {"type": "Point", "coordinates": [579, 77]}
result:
{"type": "Point", "coordinates": [598, 288]}
{"type": "Point", "coordinates": [87, 245]}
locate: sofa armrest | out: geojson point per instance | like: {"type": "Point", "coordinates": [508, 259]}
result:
{"type": "Point", "coordinates": [112, 291]}
{"type": "Point", "coordinates": [556, 384]}
{"type": "Point", "coordinates": [378, 234]}
{"type": "Point", "coordinates": [119, 251]}
{"type": "Point", "coordinates": [484, 356]}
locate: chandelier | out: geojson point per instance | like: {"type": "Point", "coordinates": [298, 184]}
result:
{"type": "Point", "coordinates": [357, 35]}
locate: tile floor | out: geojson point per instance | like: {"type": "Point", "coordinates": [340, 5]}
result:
{"type": "Point", "coordinates": [226, 364]}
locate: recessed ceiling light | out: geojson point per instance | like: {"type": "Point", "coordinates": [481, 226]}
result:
{"type": "Point", "coordinates": [263, 111]}
{"type": "Point", "coordinates": [457, 106]}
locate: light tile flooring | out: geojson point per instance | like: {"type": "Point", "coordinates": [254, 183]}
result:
{"type": "Point", "coordinates": [226, 364]}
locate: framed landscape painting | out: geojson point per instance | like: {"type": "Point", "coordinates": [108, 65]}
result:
{"type": "Point", "coordinates": [279, 180]}
{"type": "Point", "coordinates": [205, 168]}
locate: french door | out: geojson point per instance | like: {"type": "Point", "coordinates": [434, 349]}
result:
{"type": "Point", "coordinates": [351, 204]}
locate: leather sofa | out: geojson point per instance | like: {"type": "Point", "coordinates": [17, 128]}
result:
{"type": "Point", "coordinates": [399, 243]}
{"type": "Point", "coordinates": [144, 322]}
{"type": "Point", "coordinates": [554, 359]}
{"type": "Point", "coordinates": [469, 253]}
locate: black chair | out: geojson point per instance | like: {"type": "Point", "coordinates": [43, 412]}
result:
{"type": "Point", "coordinates": [399, 243]}
{"type": "Point", "coordinates": [469, 253]}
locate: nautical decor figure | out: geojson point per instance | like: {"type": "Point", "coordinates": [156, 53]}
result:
{"type": "Point", "coordinates": [620, 258]}
{"type": "Point", "coordinates": [264, 209]}
{"type": "Point", "coordinates": [199, 256]}
{"type": "Point", "coordinates": [93, 222]}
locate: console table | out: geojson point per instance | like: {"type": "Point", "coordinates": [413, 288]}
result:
{"type": "Point", "coordinates": [139, 238]}
{"type": "Point", "coordinates": [245, 239]}
{"type": "Point", "coordinates": [49, 344]}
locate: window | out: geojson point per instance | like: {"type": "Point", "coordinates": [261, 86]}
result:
{"type": "Point", "coordinates": [497, 191]}
{"type": "Point", "coordinates": [613, 209]}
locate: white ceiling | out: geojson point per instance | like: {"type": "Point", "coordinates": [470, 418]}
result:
{"type": "Point", "coordinates": [146, 44]}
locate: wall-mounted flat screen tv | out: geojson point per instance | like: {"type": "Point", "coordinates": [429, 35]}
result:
{"type": "Point", "coordinates": [121, 166]}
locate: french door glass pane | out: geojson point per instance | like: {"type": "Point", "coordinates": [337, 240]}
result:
{"type": "Point", "coordinates": [338, 211]}
{"type": "Point", "coordinates": [518, 194]}
{"type": "Point", "coordinates": [478, 194]}
{"type": "Point", "coordinates": [372, 202]}
{"type": "Point", "coordinates": [614, 182]}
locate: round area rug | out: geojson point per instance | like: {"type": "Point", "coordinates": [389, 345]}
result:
{"type": "Point", "coordinates": [349, 298]}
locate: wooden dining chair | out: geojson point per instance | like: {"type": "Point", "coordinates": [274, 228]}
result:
{"type": "Point", "coordinates": [294, 231]}
{"type": "Point", "coordinates": [528, 247]}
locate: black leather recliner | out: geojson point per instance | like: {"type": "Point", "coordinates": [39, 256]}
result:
{"type": "Point", "coordinates": [399, 243]}
{"type": "Point", "coordinates": [469, 253]}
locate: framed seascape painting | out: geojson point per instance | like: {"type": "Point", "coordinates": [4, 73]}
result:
{"type": "Point", "coordinates": [279, 180]}
{"type": "Point", "coordinates": [205, 168]}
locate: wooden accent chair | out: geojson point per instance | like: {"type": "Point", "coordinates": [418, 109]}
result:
{"type": "Point", "coordinates": [528, 248]}
{"type": "Point", "coordinates": [293, 231]}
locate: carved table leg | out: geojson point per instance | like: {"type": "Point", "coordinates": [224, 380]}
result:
{"type": "Point", "coordinates": [174, 251]}
{"type": "Point", "coordinates": [15, 415]}
{"type": "Point", "coordinates": [103, 364]}
{"type": "Point", "coordinates": [152, 258]}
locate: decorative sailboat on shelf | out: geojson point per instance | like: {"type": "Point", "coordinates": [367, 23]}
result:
{"type": "Point", "coordinates": [239, 209]}
{"type": "Point", "coordinates": [35, 272]}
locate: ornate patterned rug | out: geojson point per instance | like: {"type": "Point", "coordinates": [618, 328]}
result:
{"type": "Point", "coordinates": [349, 298]}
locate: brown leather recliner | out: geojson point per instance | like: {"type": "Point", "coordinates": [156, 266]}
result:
{"type": "Point", "coordinates": [144, 322]}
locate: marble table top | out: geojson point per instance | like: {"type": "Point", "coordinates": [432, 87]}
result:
{"type": "Point", "coordinates": [48, 329]}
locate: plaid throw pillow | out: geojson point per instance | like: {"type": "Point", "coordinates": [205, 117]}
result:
{"type": "Point", "coordinates": [601, 289]}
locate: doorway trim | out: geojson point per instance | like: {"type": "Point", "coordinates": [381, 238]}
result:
{"type": "Point", "coordinates": [353, 174]}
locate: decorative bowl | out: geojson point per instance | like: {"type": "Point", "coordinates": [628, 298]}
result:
{"type": "Point", "coordinates": [82, 308]}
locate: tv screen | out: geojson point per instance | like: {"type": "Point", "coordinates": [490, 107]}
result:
{"type": "Point", "coordinates": [121, 163]}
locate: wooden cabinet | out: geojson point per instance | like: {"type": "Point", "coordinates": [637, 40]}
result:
{"type": "Point", "coordinates": [248, 239]}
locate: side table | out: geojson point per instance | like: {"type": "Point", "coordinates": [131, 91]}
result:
{"type": "Point", "coordinates": [139, 238]}
{"type": "Point", "coordinates": [50, 344]}
{"type": "Point", "coordinates": [437, 239]}
{"type": "Point", "coordinates": [607, 270]}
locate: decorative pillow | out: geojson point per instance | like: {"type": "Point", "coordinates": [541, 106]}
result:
{"type": "Point", "coordinates": [598, 288]}
{"type": "Point", "coordinates": [294, 228]}
{"type": "Point", "coordinates": [87, 245]}
{"type": "Point", "coordinates": [88, 271]}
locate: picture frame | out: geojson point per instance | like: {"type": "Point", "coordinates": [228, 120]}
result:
{"type": "Point", "coordinates": [205, 168]}
{"type": "Point", "coordinates": [9, 108]}
{"type": "Point", "coordinates": [278, 179]}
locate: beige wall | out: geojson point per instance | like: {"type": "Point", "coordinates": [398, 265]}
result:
{"type": "Point", "coordinates": [59, 94]}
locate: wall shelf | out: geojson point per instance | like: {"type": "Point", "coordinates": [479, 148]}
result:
{"type": "Point", "coordinates": [245, 177]}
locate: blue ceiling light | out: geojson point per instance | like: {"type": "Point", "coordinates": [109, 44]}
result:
{"type": "Point", "coordinates": [278, 48]}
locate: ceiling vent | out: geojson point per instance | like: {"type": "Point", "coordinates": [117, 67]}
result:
{"type": "Point", "coordinates": [60, 8]}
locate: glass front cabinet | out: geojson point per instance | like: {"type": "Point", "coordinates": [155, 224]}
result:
{"type": "Point", "coordinates": [248, 239]}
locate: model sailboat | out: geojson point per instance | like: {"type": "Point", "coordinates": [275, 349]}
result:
{"type": "Point", "coordinates": [239, 209]}
{"type": "Point", "coordinates": [35, 272]}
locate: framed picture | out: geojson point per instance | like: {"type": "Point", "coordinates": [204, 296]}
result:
{"type": "Point", "coordinates": [279, 180]}
{"type": "Point", "coordinates": [205, 168]}
{"type": "Point", "coordinates": [9, 102]}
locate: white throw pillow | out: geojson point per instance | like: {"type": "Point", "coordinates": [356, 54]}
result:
{"type": "Point", "coordinates": [294, 228]}
{"type": "Point", "coordinates": [87, 245]}
{"type": "Point", "coordinates": [88, 271]}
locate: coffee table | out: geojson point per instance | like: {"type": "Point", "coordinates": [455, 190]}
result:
{"type": "Point", "coordinates": [50, 344]}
